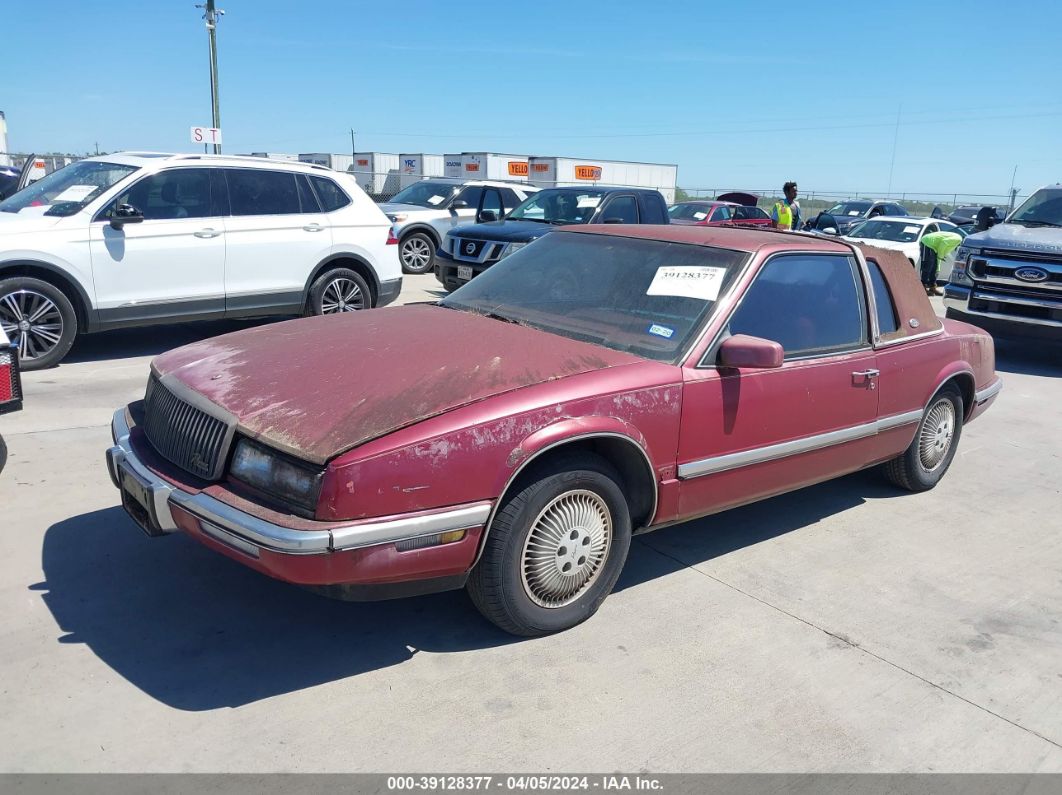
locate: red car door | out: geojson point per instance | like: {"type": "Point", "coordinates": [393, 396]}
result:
{"type": "Point", "coordinates": [748, 433]}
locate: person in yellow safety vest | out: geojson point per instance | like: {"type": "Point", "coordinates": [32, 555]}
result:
{"type": "Point", "coordinates": [786, 213]}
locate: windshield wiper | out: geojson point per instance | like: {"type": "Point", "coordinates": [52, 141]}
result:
{"type": "Point", "coordinates": [535, 220]}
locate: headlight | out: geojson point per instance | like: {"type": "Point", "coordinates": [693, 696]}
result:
{"type": "Point", "coordinates": [509, 249]}
{"type": "Point", "coordinates": [959, 274]}
{"type": "Point", "coordinates": [293, 483]}
{"type": "Point", "coordinates": [398, 218]}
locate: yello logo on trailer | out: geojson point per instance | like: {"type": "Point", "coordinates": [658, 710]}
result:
{"type": "Point", "coordinates": [471, 166]}
{"type": "Point", "coordinates": [540, 168]}
{"type": "Point", "coordinates": [588, 172]}
{"type": "Point", "coordinates": [517, 168]}
{"type": "Point", "coordinates": [362, 162]}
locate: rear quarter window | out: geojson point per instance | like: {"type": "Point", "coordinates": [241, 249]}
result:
{"type": "Point", "coordinates": [888, 321]}
{"type": "Point", "coordinates": [330, 194]}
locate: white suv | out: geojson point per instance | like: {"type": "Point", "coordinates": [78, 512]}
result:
{"type": "Point", "coordinates": [138, 238]}
{"type": "Point", "coordinates": [424, 212]}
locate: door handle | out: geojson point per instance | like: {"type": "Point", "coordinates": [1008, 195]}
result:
{"type": "Point", "coordinates": [313, 227]}
{"type": "Point", "coordinates": [207, 233]}
{"type": "Point", "coordinates": [865, 378]}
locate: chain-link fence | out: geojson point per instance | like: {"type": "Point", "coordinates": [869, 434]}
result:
{"type": "Point", "coordinates": [813, 202]}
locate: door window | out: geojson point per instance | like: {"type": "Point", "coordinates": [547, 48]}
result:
{"type": "Point", "coordinates": [471, 195]}
{"type": "Point", "coordinates": [721, 214]}
{"type": "Point", "coordinates": [254, 191]}
{"type": "Point", "coordinates": [510, 198]}
{"type": "Point", "coordinates": [622, 208]}
{"type": "Point", "coordinates": [811, 304]}
{"type": "Point", "coordinates": [492, 202]}
{"type": "Point", "coordinates": [175, 193]}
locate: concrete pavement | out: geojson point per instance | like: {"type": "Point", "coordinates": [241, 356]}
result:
{"type": "Point", "coordinates": [846, 627]}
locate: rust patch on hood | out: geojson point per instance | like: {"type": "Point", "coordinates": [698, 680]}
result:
{"type": "Point", "coordinates": [316, 387]}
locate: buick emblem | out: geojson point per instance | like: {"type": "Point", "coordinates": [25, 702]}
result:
{"type": "Point", "coordinates": [470, 247]}
{"type": "Point", "coordinates": [1031, 274]}
{"type": "Point", "coordinates": [198, 463]}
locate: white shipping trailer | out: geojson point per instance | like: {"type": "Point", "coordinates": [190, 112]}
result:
{"type": "Point", "coordinates": [452, 166]}
{"type": "Point", "coordinates": [376, 172]}
{"type": "Point", "coordinates": [275, 155]}
{"type": "Point", "coordinates": [416, 167]}
{"type": "Point", "coordinates": [550, 172]}
{"type": "Point", "coordinates": [491, 165]}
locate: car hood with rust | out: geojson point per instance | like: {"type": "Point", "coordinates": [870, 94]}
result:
{"type": "Point", "coordinates": [317, 387]}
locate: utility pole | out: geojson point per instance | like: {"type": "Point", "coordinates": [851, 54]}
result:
{"type": "Point", "coordinates": [211, 15]}
{"type": "Point", "coordinates": [1013, 193]}
{"type": "Point", "coordinates": [352, 142]}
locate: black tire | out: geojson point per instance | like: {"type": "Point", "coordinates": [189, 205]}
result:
{"type": "Point", "coordinates": [49, 337]}
{"type": "Point", "coordinates": [503, 585]}
{"type": "Point", "coordinates": [919, 468]}
{"type": "Point", "coordinates": [416, 252]}
{"type": "Point", "coordinates": [339, 290]}
{"type": "Point", "coordinates": [3, 453]}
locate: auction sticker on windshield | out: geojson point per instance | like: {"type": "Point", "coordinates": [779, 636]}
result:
{"type": "Point", "coordinates": [75, 193]}
{"type": "Point", "coordinates": [687, 281]}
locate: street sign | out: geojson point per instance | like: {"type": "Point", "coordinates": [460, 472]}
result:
{"type": "Point", "coordinates": [206, 135]}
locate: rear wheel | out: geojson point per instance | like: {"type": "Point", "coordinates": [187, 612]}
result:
{"type": "Point", "coordinates": [339, 290]}
{"type": "Point", "coordinates": [924, 462]}
{"type": "Point", "coordinates": [555, 548]}
{"type": "Point", "coordinates": [417, 253]}
{"type": "Point", "coordinates": [39, 318]}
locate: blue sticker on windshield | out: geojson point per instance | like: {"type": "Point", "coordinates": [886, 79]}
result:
{"type": "Point", "coordinates": [661, 331]}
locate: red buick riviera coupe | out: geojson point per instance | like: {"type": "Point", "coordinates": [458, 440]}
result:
{"type": "Point", "coordinates": [511, 438]}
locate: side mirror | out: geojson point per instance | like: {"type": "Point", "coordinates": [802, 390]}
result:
{"type": "Point", "coordinates": [460, 204]}
{"type": "Point", "coordinates": [742, 350]}
{"type": "Point", "coordinates": [486, 216]}
{"type": "Point", "coordinates": [829, 230]}
{"type": "Point", "coordinates": [126, 214]}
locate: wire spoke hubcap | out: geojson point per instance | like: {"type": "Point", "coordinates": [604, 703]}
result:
{"type": "Point", "coordinates": [566, 549]}
{"type": "Point", "coordinates": [33, 321]}
{"type": "Point", "coordinates": [934, 440]}
{"type": "Point", "coordinates": [342, 295]}
{"type": "Point", "coordinates": [415, 253]}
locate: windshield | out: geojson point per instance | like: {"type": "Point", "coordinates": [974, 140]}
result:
{"type": "Point", "coordinates": [849, 208]}
{"type": "Point", "coordinates": [559, 206]}
{"type": "Point", "coordinates": [896, 231]}
{"type": "Point", "coordinates": [1043, 208]}
{"type": "Point", "coordinates": [67, 190]}
{"type": "Point", "coordinates": [426, 194]}
{"type": "Point", "coordinates": [646, 297]}
{"type": "Point", "coordinates": [690, 212]}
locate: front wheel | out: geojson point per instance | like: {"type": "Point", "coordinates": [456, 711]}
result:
{"type": "Point", "coordinates": [39, 318]}
{"type": "Point", "coordinates": [417, 253]}
{"type": "Point", "coordinates": [339, 290]}
{"type": "Point", "coordinates": [3, 453]}
{"type": "Point", "coordinates": [921, 466]}
{"type": "Point", "coordinates": [555, 548]}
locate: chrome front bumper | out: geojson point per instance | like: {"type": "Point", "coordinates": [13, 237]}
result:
{"type": "Point", "coordinates": [250, 533]}
{"type": "Point", "coordinates": [957, 297]}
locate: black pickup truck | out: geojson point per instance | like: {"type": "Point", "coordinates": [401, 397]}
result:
{"type": "Point", "coordinates": [470, 250]}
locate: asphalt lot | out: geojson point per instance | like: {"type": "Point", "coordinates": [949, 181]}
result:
{"type": "Point", "coordinates": [846, 627]}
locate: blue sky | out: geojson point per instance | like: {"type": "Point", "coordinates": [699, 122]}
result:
{"type": "Point", "coordinates": [737, 94]}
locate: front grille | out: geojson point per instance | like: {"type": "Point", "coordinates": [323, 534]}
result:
{"type": "Point", "coordinates": [467, 249]}
{"type": "Point", "coordinates": [184, 434]}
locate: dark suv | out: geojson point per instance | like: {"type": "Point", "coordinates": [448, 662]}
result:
{"type": "Point", "coordinates": [470, 250]}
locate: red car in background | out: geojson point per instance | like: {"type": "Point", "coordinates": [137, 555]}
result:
{"type": "Point", "coordinates": [728, 208]}
{"type": "Point", "coordinates": [600, 382]}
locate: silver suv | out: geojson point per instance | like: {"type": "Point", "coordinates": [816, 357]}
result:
{"type": "Point", "coordinates": [424, 212]}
